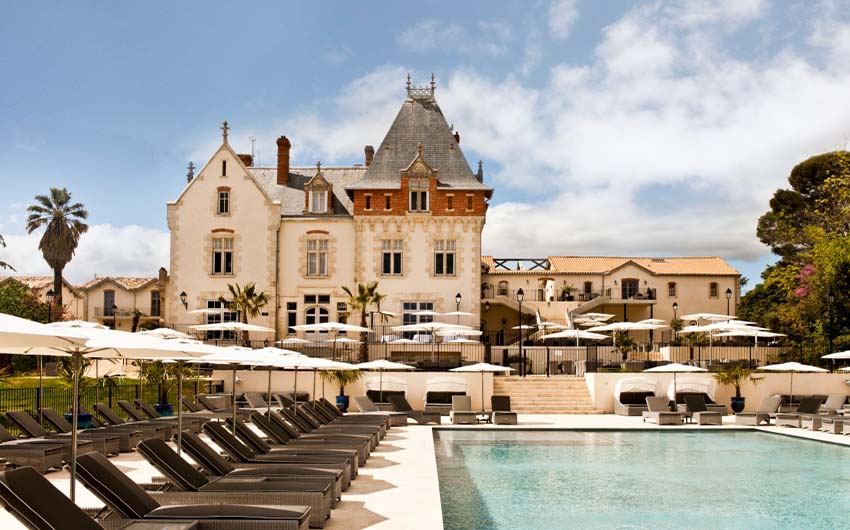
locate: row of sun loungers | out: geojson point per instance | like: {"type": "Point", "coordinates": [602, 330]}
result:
{"type": "Point", "coordinates": [658, 411]}
{"type": "Point", "coordinates": [289, 476]}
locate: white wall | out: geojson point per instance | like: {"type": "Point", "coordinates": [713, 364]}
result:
{"type": "Point", "coordinates": [601, 386]}
{"type": "Point", "coordinates": [257, 381]}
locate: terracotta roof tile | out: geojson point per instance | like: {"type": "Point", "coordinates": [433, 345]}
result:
{"type": "Point", "coordinates": [127, 282]}
{"type": "Point", "coordinates": [688, 266]}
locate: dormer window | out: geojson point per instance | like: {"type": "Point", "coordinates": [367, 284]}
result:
{"type": "Point", "coordinates": [418, 195]}
{"type": "Point", "coordinates": [318, 201]}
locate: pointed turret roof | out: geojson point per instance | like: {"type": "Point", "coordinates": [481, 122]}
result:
{"type": "Point", "coordinates": [420, 121]}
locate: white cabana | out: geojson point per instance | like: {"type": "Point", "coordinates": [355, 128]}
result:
{"type": "Point", "coordinates": [675, 368]}
{"type": "Point", "coordinates": [382, 365]}
{"type": "Point", "coordinates": [693, 385]}
{"type": "Point", "coordinates": [635, 384]}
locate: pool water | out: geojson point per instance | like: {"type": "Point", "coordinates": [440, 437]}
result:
{"type": "Point", "coordinates": [640, 480]}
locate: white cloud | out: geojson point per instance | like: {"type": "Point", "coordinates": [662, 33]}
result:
{"type": "Point", "coordinates": [104, 250]}
{"type": "Point", "coordinates": [431, 35]}
{"type": "Point", "coordinates": [562, 15]}
{"type": "Point", "coordinates": [730, 13]}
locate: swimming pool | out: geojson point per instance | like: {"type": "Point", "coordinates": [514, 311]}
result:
{"type": "Point", "coordinates": [521, 480]}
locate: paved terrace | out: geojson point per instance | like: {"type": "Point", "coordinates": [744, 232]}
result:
{"type": "Point", "coordinates": [398, 489]}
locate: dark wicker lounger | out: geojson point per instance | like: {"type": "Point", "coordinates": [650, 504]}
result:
{"type": "Point", "coordinates": [41, 455]}
{"type": "Point", "coordinates": [152, 414]}
{"type": "Point", "coordinates": [128, 438]}
{"type": "Point", "coordinates": [216, 465]}
{"type": "Point", "coordinates": [130, 501]}
{"type": "Point", "coordinates": [150, 429]}
{"type": "Point", "coordinates": [136, 415]}
{"type": "Point", "coordinates": [278, 439]}
{"type": "Point", "coordinates": [105, 443]}
{"type": "Point", "coordinates": [306, 423]}
{"type": "Point", "coordinates": [188, 482]}
{"type": "Point", "coordinates": [83, 446]}
{"type": "Point", "coordinates": [400, 404]}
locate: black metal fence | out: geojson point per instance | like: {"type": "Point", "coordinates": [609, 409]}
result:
{"type": "Point", "coordinates": [60, 399]}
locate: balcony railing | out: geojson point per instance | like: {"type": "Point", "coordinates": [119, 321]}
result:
{"type": "Point", "coordinates": [108, 312]}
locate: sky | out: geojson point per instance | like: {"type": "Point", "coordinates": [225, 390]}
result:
{"type": "Point", "coordinates": [606, 127]}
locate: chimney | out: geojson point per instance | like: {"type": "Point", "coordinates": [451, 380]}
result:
{"type": "Point", "coordinates": [457, 137]}
{"type": "Point", "coordinates": [248, 160]}
{"type": "Point", "coordinates": [283, 147]}
{"type": "Point", "coordinates": [370, 153]}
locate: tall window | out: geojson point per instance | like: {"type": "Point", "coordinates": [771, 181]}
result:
{"type": "Point", "coordinates": [108, 302]}
{"type": "Point", "coordinates": [713, 290]}
{"type": "Point", "coordinates": [222, 255]}
{"type": "Point", "coordinates": [503, 288]}
{"type": "Point", "coordinates": [444, 257]}
{"type": "Point", "coordinates": [224, 168]}
{"type": "Point", "coordinates": [450, 202]}
{"type": "Point", "coordinates": [223, 202]}
{"type": "Point", "coordinates": [155, 304]}
{"type": "Point", "coordinates": [224, 315]}
{"type": "Point", "coordinates": [418, 195]}
{"type": "Point", "coordinates": [368, 202]}
{"type": "Point", "coordinates": [319, 201]}
{"type": "Point", "coordinates": [671, 289]}
{"type": "Point", "coordinates": [317, 257]}
{"type": "Point", "coordinates": [391, 254]}
{"type": "Point", "coordinates": [291, 316]}
{"type": "Point", "coordinates": [409, 316]}
{"type": "Point", "coordinates": [388, 202]}
{"type": "Point", "coordinates": [469, 202]}
{"type": "Point", "coordinates": [631, 288]}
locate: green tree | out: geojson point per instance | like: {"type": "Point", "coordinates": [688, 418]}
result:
{"type": "Point", "coordinates": [18, 300]}
{"type": "Point", "coordinates": [3, 264]}
{"type": "Point", "coordinates": [364, 297]}
{"type": "Point", "coordinates": [248, 302]}
{"type": "Point", "coordinates": [63, 222]}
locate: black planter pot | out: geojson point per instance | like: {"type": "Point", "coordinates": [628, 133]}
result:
{"type": "Point", "coordinates": [737, 404]}
{"type": "Point", "coordinates": [342, 403]}
{"type": "Point", "coordinates": [165, 409]}
{"type": "Point", "coordinates": [83, 420]}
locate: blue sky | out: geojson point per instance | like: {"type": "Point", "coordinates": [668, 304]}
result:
{"type": "Point", "coordinates": [617, 127]}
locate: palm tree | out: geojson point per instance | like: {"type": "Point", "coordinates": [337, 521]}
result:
{"type": "Point", "coordinates": [366, 296]}
{"type": "Point", "coordinates": [3, 264]}
{"type": "Point", "coordinates": [247, 302]}
{"type": "Point", "coordinates": [64, 222]}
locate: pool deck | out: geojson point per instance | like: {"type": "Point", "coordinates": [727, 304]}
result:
{"type": "Point", "coordinates": [398, 486]}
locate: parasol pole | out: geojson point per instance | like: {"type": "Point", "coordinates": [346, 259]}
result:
{"type": "Point", "coordinates": [75, 411]}
{"type": "Point", "coordinates": [40, 390]}
{"type": "Point", "coordinates": [233, 399]}
{"type": "Point", "coordinates": [269, 395]}
{"type": "Point", "coordinates": [295, 389]}
{"type": "Point", "coordinates": [179, 406]}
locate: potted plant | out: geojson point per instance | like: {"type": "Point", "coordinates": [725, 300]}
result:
{"type": "Point", "coordinates": [164, 377]}
{"type": "Point", "coordinates": [341, 378]}
{"type": "Point", "coordinates": [736, 375]}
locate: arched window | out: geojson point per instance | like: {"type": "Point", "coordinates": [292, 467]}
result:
{"type": "Point", "coordinates": [713, 290]}
{"type": "Point", "coordinates": [316, 315]}
{"type": "Point", "coordinates": [671, 289]}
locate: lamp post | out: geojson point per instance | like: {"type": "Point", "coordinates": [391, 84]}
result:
{"type": "Point", "coordinates": [675, 310]}
{"type": "Point", "coordinates": [183, 301]}
{"type": "Point", "coordinates": [487, 344]}
{"type": "Point", "coordinates": [458, 298]}
{"type": "Point", "coordinates": [728, 299]}
{"type": "Point", "coordinates": [519, 296]}
{"type": "Point", "coordinates": [50, 297]}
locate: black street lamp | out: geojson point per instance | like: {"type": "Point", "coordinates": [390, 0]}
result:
{"type": "Point", "coordinates": [675, 309]}
{"type": "Point", "coordinates": [458, 298]}
{"type": "Point", "coordinates": [487, 346]}
{"type": "Point", "coordinates": [50, 297]}
{"type": "Point", "coordinates": [114, 316]}
{"type": "Point", "coordinates": [728, 299]}
{"type": "Point", "coordinates": [519, 296]}
{"type": "Point", "coordinates": [183, 301]}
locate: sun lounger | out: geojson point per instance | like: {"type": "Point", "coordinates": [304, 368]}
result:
{"type": "Point", "coordinates": [309, 424]}
{"type": "Point", "coordinates": [699, 413]}
{"type": "Point", "coordinates": [105, 443]}
{"type": "Point", "coordinates": [462, 412]}
{"type": "Point", "coordinates": [808, 406]}
{"type": "Point", "coordinates": [128, 438]}
{"type": "Point", "coordinates": [502, 414]}
{"type": "Point", "coordinates": [193, 486]}
{"type": "Point", "coordinates": [284, 429]}
{"type": "Point", "coordinates": [211, 404]}
{"type": "Point", "coordinates": [768, 408]}
{"type": "Point", "coordinates": [217, 466]}
{"type": "Point", "coordinates": [39, 505]}
{"type": "Point", "coordinates": [658, 412]}
{"type": "Point", "coordinates": [39, 454]}
{"type": "Point", "coordinates": [242, 453]}
{"type": "Point", "coordinates": [256, 442]}
{"type": "Point", "coordinates": [367, 406]}
{"type": "Point", "coordinates": [136, 414]}
{"type": "Point", "coordinates": [83, 446]}
{"type": "Point", "coordinates": [149, 429]}
{"type": "Point", "coordinates": [833, 404]}
{"type": "Point", "coordinates": [833, 424]}
{"type": "Point", "coordinates": [129, 501]}
{"type": "Point", "coordinates": [400, 404]}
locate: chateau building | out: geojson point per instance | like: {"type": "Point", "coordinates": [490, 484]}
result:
{"type": "Point", "coordinates": [410, 217]}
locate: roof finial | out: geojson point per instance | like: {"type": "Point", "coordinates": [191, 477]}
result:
{"type": "Point", "coordinates": [480, 174]}
{"type": "Point", "coordinates": [191, 173]}
{"type": "Point", "coordinates": [318, 166]}
{"type": "Point", "coordinates": [224, 128]}
{"type": "Point", "coordinates": [433, 83]}
{"type": "Point", "coordinates": [408, 83]}
{"type": "Point", "coordinates": [419, 148]}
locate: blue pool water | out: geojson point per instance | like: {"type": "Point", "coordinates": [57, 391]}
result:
{"type": "Point", "coordinates": [523, 480]}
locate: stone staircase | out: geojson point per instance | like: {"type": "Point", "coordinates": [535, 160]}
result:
{"type": "Point", "coordinates": [546, 395]}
